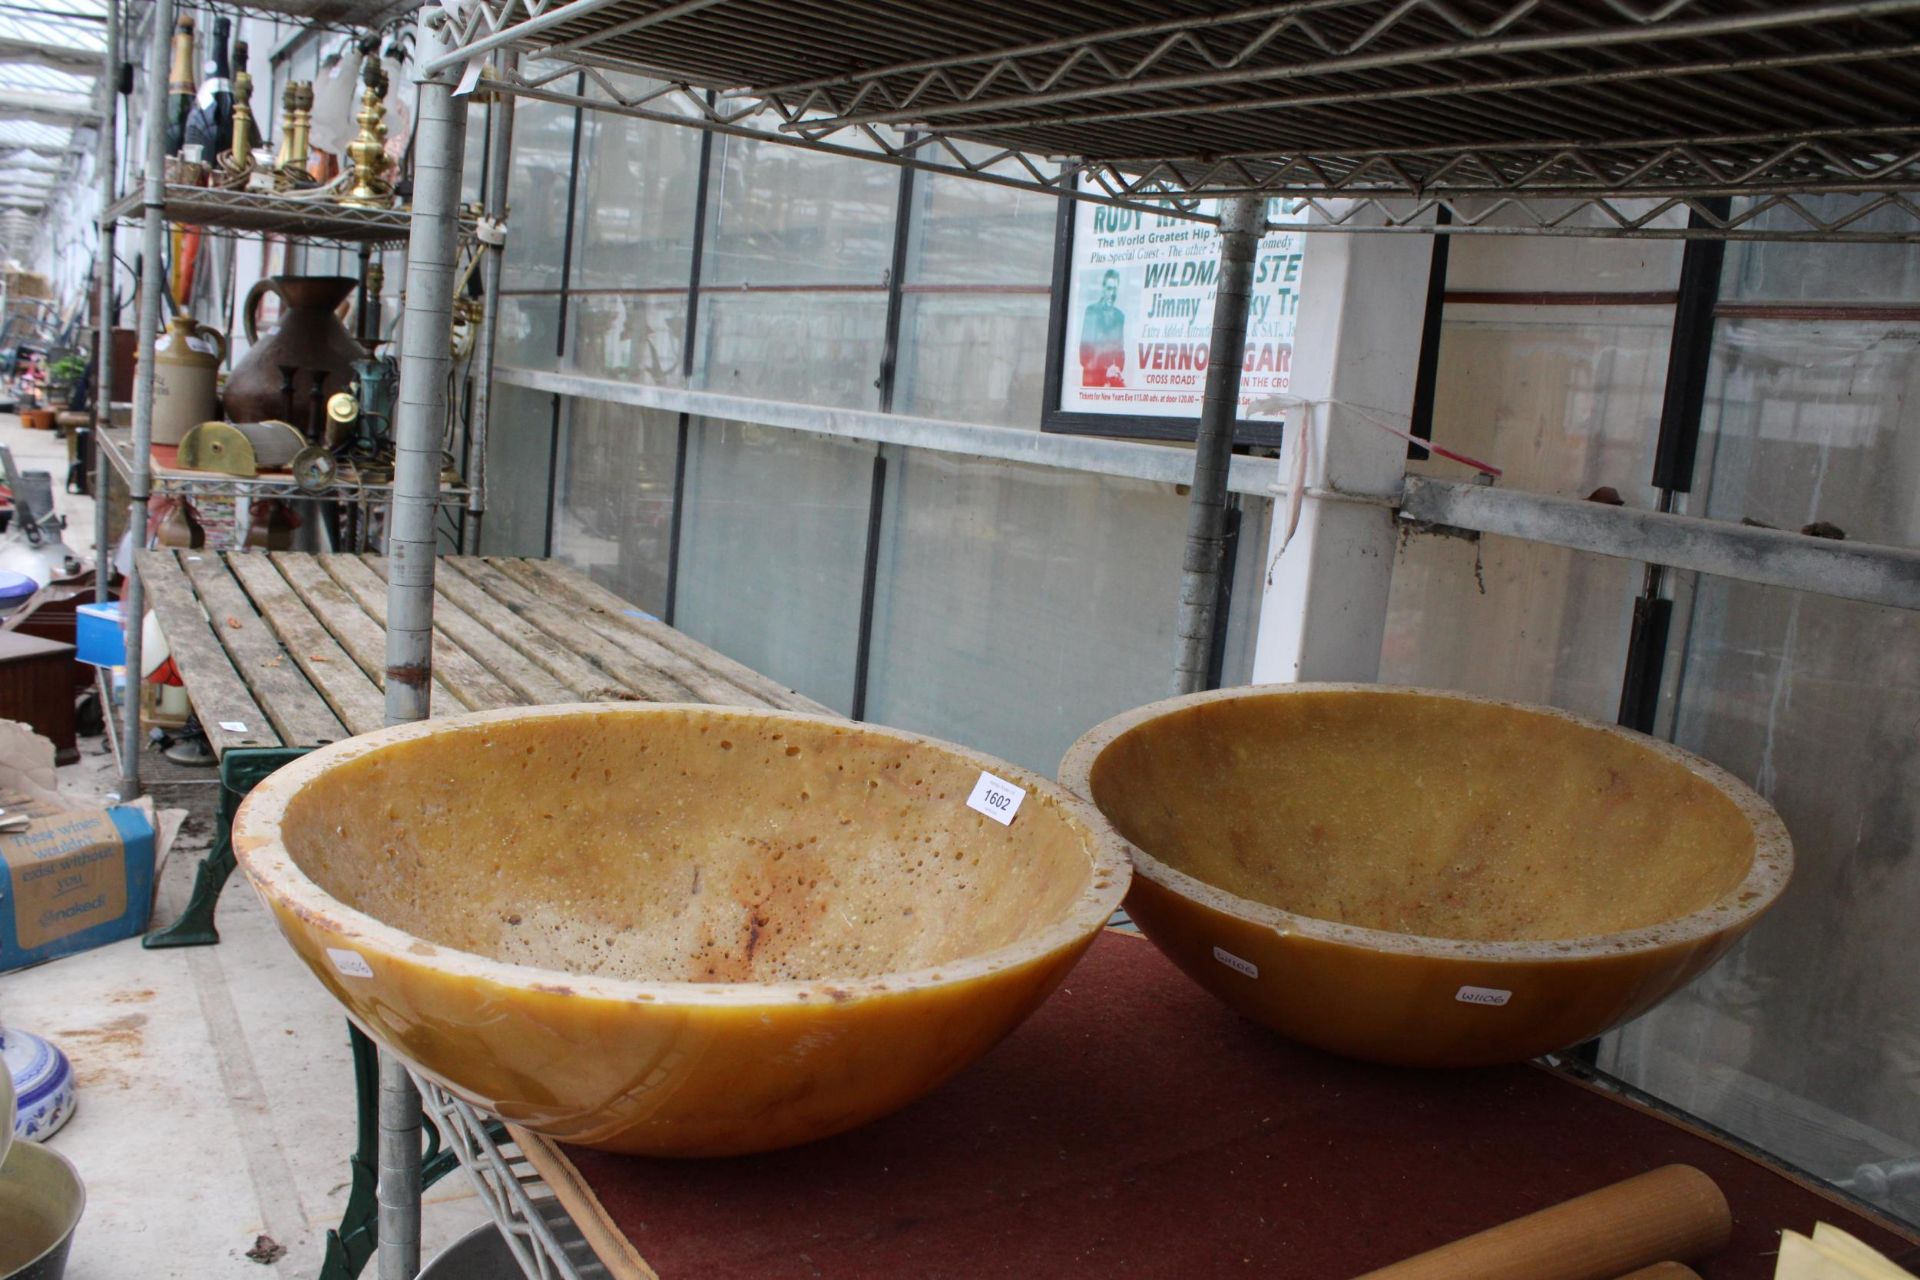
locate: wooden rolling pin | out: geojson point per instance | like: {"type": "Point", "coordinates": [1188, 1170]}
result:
{"type": "Point", "coordinates": [1672, 1213]}
{"type": "Point", "coordinates": [1663, 1271]}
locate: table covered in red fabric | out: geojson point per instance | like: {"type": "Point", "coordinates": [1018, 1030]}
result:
{"type": "Point", "coordinates": [1136, 1127]}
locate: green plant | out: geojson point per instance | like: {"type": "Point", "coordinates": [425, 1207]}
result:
{"type": "Point", "coordinates": [67, 369]}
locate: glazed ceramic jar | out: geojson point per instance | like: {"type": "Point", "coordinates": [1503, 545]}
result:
{"type": "Point", "coordinates": [186, 370]}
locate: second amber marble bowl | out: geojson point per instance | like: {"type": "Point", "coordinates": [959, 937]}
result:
{"type": "Point", "coordinates": [1426, 878]}
{"type": "Point", "coordinates": [676, 930]}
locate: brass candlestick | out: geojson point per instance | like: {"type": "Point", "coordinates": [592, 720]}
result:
{"type": "Point", "coordinates": [236, 164]}
{"type": "Point", "coordinates": [290, 167]}
{"type": "Point", "coordinates": [368, 150]}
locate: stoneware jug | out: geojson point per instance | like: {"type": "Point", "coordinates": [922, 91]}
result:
{"type": "Point", "coordinates": [186, 370]}
{"type": "Point", "coordinates": [290, 371]}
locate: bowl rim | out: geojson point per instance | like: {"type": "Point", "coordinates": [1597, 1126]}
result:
{"type": "Point", "coordinates": [262, 854]}
{"type": "Point", "coordinates": [1732, 911]}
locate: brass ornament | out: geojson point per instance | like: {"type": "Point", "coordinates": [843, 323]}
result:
{"type": "Point", "coordinates": [290, 166]}
{"type": "Point", "coordinates": [371, 188]}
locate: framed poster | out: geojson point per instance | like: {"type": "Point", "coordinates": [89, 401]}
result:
{"type": "Point", "coordinates": [1132, 314]}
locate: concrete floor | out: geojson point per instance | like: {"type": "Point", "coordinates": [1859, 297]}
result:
{"type": "Point", "coordinates": [216, 1092]}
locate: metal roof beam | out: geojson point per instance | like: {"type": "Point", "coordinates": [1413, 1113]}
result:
{"type": "Point", "coordinates": [33, 158]}
{"type": "Point", "coordinates": [61, 57]}
{"type": "Point", "coordinates": [46, 108]}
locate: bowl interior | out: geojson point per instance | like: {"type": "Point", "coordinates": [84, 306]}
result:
{"type": "Point", "coordinates": [687, 845]}
{"type": "Point", "coordinates": [1424, 815]}
{"type": "Point", "coordinates": [41, 1199]}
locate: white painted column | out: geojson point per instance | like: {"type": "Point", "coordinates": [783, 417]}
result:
{"type": "Point", "coordinates": [1357, 343]}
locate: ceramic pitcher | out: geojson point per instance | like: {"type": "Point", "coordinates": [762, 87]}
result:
{"type": "Point", "coordinates": [291, 369]}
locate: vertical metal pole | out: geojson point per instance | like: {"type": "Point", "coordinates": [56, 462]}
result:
{"type": "Point", "coordinates": [106, 158]}
{"type": "Point", "coordinates": [420, 418]}
{"type": "Point", "coordinates": [361, 328]}
{"type": "Point", "coordinates": [153, 278]}
{"type": "Point", "coordinates": [494, 203]}
{"type": "Point", "coordinates": [1242, 221]}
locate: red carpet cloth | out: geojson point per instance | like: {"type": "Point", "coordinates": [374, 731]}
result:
{"type": "Point", "coordinates": [1135, 1127]}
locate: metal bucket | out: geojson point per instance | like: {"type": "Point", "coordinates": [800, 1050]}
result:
{"type": "Point", "coordinates": [41, 1199]}
{"type": "Point", "coordinates": [481, 1254]}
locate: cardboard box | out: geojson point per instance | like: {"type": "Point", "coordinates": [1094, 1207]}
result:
{"type": "Point", "coordinates": [81, 875]}
{"type": "Point", "coordinates": [74, 880]}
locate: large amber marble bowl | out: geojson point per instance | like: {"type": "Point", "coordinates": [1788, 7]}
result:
{"type": "Point", "coordinates": [1426, 878]}
{"type": "Point", "coordinates": [676, 930]}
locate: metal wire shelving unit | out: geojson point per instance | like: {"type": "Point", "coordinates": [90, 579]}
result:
{"type": "Point", "coordinates": [302, 219]}
{"type": "Point", "coordinates": [535, 1225]}
{"type": "Point", "coordinates": [118, 443]}
{"type": "Point", "coordinates": [316, 222]}
{"type": "Point", "coordinates": [1589, 117]}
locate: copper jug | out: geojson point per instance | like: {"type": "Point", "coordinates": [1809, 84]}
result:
{"type": "Point", "coordinates": [289, 373]}
{"type": "Point", "coordinates": [186, 371]}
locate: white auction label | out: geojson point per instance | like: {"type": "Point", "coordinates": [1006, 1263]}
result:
{"type": "Point", "coordinates": [997, 798]}
{"type": "Point", "coordinates": [1482, 995]}
{"type": "Point", "coordinates": [351, 963]}
{"type": "Point", "coordinates": [1235, 963]}
{"type": "Point", "coordinates": [234, 726]}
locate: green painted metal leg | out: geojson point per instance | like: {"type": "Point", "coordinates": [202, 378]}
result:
{"type": "Point", "coordinates": [241, 771]}
{"type": "Point", "coordinates": [349, 1248]}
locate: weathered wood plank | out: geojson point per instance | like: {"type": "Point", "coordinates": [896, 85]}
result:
{"type": "Point", "coordinates": [298, 713]}
{"type": "Point", "coordinates": [527, 678]}
{"type": "Point", "coordinates": [216, 690]}
{"type": "Point", "coordinates": [472, 684]}
{"type": "Point", "coordinates": [584, 682]}
{"type": "Point", "coordinates": [332, 671]}
{"type": "Point", "coordinates": [578, 586]}
{"type": "Point", "coordinates": [363, 638]}
{"type": "Point", "coordinates": [606, 614]}
{"type": "Point", "coordinates": [567, 628]}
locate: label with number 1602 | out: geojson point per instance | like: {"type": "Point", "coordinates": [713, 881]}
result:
{"type": "Point", "coordinates": [997, 798]}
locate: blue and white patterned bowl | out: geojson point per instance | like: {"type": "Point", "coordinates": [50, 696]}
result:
{"type": "Point", "coordinates": [43, 1085]}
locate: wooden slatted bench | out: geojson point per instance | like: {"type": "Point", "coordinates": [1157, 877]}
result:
{"type": "Point", "coordinates": [286, 652]}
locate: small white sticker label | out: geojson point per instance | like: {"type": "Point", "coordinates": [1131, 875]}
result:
{"type": "Point", "coordinates": [997, 798]}
{"type": "Point", "coordinates": [234, 726]}
{"type": "Point", "coordinates": [1235, 963]}
{"type": "Point", "coordinates": [1482, 995]}
{"type": "Point", "coordinates": [351, 963]}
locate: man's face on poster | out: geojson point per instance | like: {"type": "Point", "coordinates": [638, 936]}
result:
{"type": "Point", "coordinates": [1109, 288]}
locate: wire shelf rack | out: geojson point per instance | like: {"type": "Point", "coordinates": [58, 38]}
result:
{"type": "Point", "coordinates": [118, 442]}
{"type": "Point", "coordinates": [538, 1229]}
{"type": "Point", "coordinates": [1612, 117]}
{"type": "Point", "coordinates": [313, 221]}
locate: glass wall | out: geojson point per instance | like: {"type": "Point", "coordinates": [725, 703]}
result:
{"type": "Point", "coordinates": [778, 286]}
{"type": "Point", "coordinates": [633, 248]}
{"type": "Point", "coordinates": [1806, 1039]}
{"type": "Point", "coordinates": [773, 548]}
{"type": "Point", "coordinates": [1021, 605]}
{"type": "Point", "coordinates": [1562, 391]}
{"type": "Point", "coordinates": [519, 472]}
{"type": "Point", "coordinates": [613, 498]}
{"type": "Point", "coordinates": [974, 302]}
{"type": "Point", "coordinates": [793, 274]}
